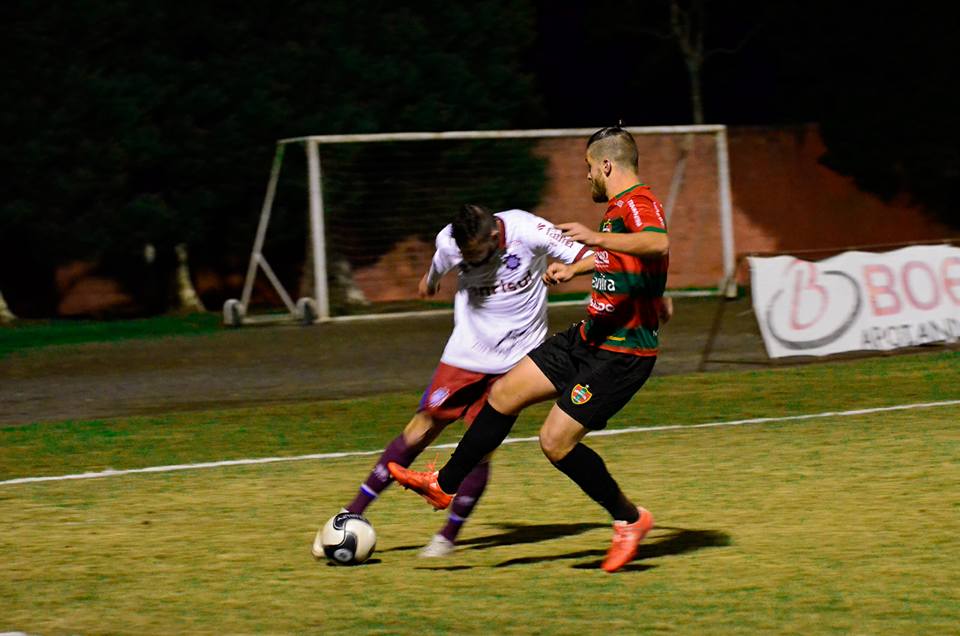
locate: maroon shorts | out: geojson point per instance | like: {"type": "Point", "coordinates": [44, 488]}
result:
{"type": "Point", "coordinates": [454, 393]}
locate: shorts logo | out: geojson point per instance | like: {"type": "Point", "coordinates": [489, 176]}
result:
{"type": "Point", "coordinates": [437, 397]}
{"type": "Point", "coordinates": [580, 394]}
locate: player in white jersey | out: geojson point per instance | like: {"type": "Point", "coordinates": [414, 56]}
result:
{"type": "Point", "coordinates": [500, 314]}
{"type": "Point", "coordinates": [500, 308]}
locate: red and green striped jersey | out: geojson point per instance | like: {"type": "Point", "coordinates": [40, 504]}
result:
{"type": "Point", "coordinates": [627, 289]}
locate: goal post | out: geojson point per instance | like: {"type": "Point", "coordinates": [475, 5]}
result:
{"type": "Point", "coordinates": [374, 202]}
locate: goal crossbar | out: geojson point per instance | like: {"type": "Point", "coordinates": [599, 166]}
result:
{"type": "Point", "coordinates": [499, 134]}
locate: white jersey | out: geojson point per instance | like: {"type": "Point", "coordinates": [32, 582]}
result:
{"type": "Point", "coordinates": [500, 308]}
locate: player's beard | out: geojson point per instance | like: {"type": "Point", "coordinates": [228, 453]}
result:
{"type": "Point", "coordinates": [598, 189]}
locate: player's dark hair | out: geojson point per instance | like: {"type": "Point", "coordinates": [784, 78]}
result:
{"type": "Point", "coordinates": [472, 222]}
{"type": "Point", "coordinates": [619, 145]}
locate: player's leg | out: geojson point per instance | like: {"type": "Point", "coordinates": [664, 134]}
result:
{"type": "Point", "coordinates": [524, 385]}
{"type": "Point", "coordinates": [535, 379]}
{"type": "Point", "coordinates": [417, 435]}
{"type": "Point", "coordinates": [445, 541]}
{"type": "Point", "coordinates": [451, 395]}
{"type": "Point", "coordinates": [560, 440]}
{"type": "Point", "coordinates": [603, 385]}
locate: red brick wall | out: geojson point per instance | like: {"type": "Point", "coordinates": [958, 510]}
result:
{"type": "Point", "coordinates": [783, 199]}
{"type": "Point", "coordinates": [786, 200]}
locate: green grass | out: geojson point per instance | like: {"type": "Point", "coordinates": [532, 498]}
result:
{"type": "Point", "coordinates": [365, 424]}
{"type": "Point", "coordinates": [827, 526]}
{"type": "Point", "coordinates": [25, 335]}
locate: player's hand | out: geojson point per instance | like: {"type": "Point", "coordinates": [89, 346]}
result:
{"type": "Point", "coordinates": [557, 273]}
{"type": "Point", "coordinates": [424, 290]}
{"type": "Point", "coordinates": [579, 232]}
{"type": "Point", "coordinates": [665, 310]}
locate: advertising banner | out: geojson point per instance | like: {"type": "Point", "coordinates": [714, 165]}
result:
{"type": "Point", "coordinates": [857, 301]}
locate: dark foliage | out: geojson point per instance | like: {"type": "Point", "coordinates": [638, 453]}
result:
{"type": "Point", "coordinates": [128, 123]}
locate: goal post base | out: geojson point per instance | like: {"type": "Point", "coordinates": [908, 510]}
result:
{"type": "Point", "coordinates": [235, 314]}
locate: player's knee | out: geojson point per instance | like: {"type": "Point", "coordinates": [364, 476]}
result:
{"type": "Point", "coordinates": [422, 430]}
{"type": "Point", "coordinates": [502, 398]}
{"type": "Point", "coordinates": [552, 446]}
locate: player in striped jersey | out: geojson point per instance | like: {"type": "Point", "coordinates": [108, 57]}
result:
{"type": "Point", "coordinates": [596, 366]}
{"type": "Point", "coordinates": [500, 314]}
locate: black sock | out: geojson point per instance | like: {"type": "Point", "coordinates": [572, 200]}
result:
{"type": "Point", "coordinates": [587, 469]}
{"type": "Point", "coordinates": [488, 431]}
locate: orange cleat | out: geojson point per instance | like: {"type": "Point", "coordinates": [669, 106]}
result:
{"type": "Point", "coordinates": [423, 483]}
{"type": "Point", "coordinates": [626, 538]}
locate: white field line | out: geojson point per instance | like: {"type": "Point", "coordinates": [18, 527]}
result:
{"type": "Point", "coordinates": [510, 440]}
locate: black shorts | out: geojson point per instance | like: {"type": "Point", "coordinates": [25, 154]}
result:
{"type": "Point", "coordinates": [594, 384]}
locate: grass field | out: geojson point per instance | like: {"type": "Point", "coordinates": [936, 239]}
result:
{"type": "Point", "coordinates": [27, 335]}
{"type": "Point", "coordinates": [836, 524]}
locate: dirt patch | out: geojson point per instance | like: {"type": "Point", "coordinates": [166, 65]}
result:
{"type": "Point", "coordinates": [287, 363]}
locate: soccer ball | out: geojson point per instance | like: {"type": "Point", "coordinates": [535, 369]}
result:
{"type": "Point", "coordinates": [346, 539]}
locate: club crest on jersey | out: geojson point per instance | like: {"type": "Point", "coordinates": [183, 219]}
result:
{"type": "Point", "coordinates": [511, 261]}
{"type": "Point", "coordinates": [438, 396]}
{"type": "Point", "coordinates": [580, 394]}
{"type": "Point", "coordinates": [606, 226]}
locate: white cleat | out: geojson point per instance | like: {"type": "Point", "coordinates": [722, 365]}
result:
{"type": "Point", "coordinates": [439, 546]}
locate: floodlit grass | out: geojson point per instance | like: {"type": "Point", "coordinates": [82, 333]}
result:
{"type": "Point", "coordinates": [26, 335]}
{"type": "Point", "coordinates": [829, 526]}
{"type": "Point", "coordinates": [366, 424]}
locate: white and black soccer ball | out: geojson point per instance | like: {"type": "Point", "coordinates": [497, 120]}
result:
{"type": "Point", "coordinates": [346, 539]}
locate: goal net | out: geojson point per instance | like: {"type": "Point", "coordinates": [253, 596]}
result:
{"type": "Point", "coordinates": [374, 204]}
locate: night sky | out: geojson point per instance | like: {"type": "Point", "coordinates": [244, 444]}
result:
{"type": "Point", "coordinates": [591, 72]}
{"type": "Point", "coordinates": [767, 62]}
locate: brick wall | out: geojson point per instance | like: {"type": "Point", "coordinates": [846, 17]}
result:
{"type": "Point", "coordinates": [783, 199]}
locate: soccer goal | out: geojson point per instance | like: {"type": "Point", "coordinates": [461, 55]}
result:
{"type": "Point", "coordinates": [375, 202]}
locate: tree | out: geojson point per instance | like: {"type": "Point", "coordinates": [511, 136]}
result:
{"type": "Point", "coordinates": [134, 123]}
{"type": "Point", "coordinates": [666, 45]}
{"type": "Point", "coordinates": [689, 27]}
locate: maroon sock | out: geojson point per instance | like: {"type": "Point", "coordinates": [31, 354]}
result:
{"type": "Point", "coordinates": [467, 497]}
{"type": "Point", "coordinates": [379, 478]}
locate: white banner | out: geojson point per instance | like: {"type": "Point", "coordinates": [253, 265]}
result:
{"type": "Point", "coordinates": [857, 301]}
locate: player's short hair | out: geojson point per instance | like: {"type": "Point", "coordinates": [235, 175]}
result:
{"type": "Point", "coordinates": [472, 222]}
{"type": "Point", "coordinates": [617, 145]}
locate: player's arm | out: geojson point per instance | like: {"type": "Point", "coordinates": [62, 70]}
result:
{"type": "Point", "coordinates": [428, 286]}
{"type": "Point", "coordinates": [665, 310]}
{"type": "Point", "coordinates": [444, 259]}
{"type": "Point", "coordinates": [573, 258]}
{"type": "Point", "coordinates": [430, 283]}
{"type": "Point", "coordinates": [650, 241]}
{"type": "Point", "coordinates": [558, 272]}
